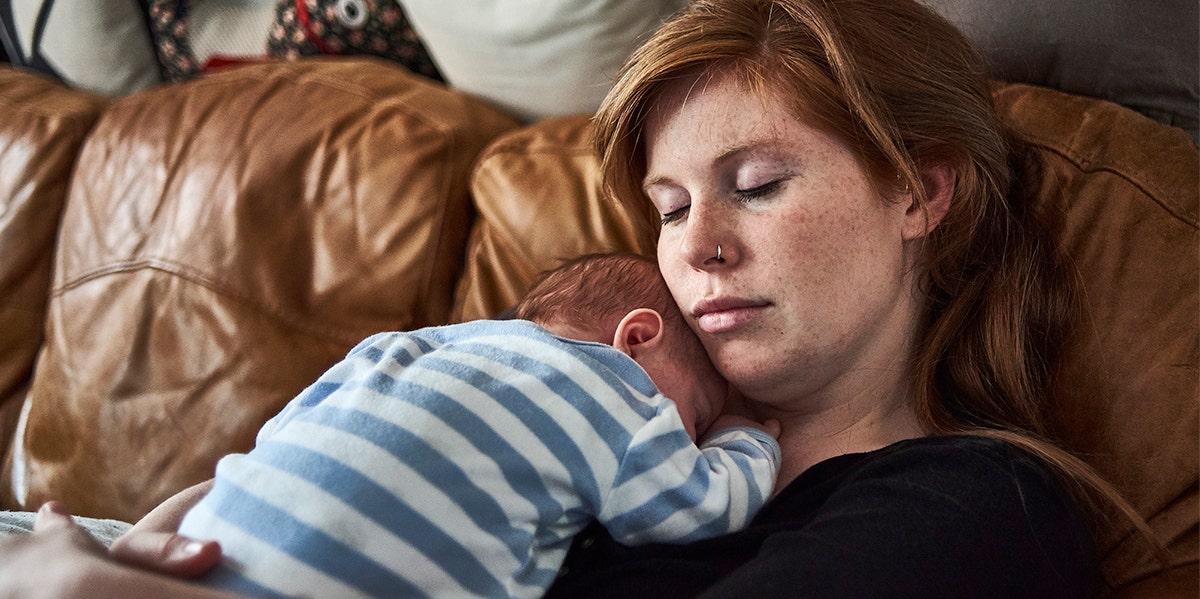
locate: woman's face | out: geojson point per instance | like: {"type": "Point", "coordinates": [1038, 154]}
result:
{"type": "Point", "coordinates": [813, 295]}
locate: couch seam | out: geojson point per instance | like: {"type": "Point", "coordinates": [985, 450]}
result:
{"type": "Point", "coordinates": [174, 268]}
{"type": "Point", "coordinates": [72, 112]}
{"type": "Point", "coordinates": [1148, 189]}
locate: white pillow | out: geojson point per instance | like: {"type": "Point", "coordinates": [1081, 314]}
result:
{"type": "Point", "coordinates": [102, 46]}
{"type": "Point", "coordinates": [535, 58]}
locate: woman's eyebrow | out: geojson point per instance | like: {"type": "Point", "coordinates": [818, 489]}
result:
{"type": "Point", "coordinates": [733, 153]}
{"type": "Point", "coordinates": [649, 182]}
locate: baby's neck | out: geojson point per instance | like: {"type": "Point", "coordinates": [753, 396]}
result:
{"type": "Point", "coordinates": [571, 332]}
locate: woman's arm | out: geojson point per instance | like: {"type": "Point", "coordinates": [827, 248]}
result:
{"type": "Point", "coordinates": [60, 559]}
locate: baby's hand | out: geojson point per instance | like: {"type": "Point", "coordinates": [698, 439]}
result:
{"type": "Point", "coordinates": [771, 427]}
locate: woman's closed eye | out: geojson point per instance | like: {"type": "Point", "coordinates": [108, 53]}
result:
{"type": "Point", "coordinates": [674, 215]}
{"type": "Point", "coordinates": [741, 196]}
{"type": "Point", "coordinates": [758, 192]}
{"type": "Point", "coordinates": [671, 201]}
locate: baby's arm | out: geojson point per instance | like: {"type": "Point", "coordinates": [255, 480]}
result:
{"type": "Point", "coordinates": [669, 490]}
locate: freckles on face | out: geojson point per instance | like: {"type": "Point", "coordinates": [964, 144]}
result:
{"type": "Point", "coordinates": [814, 264]}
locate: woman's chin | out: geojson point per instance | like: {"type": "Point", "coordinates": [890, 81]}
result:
{"type": "Point", "coordinates": [746, 371]}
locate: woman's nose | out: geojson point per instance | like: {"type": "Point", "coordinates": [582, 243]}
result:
{"type": "Point", "coordinates": [706, 242]}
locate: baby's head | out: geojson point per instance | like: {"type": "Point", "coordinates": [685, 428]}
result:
{"type": "Point", "coordinates": [622, 300]}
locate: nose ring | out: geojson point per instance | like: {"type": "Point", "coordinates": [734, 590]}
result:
{"type": "Point", "coordinates": [719, 258]}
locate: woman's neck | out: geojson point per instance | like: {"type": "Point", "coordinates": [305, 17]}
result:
{"type": "Point", "coordinates": [864, 423]}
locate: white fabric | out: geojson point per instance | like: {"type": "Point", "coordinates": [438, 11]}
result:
{"type": "Point", "coordinates": [230, 29]}
{"type": "Point", "coordinates": [535, 58]}
{"type": "Point", "coordinates": [102, 46]}
{"type": "Point", "coordinates": [105, 531]}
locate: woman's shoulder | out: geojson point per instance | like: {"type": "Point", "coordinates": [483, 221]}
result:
{"type": "Point", "coordinates": [964, 452]}
{"type": "Point", "coordinates": [968, 465]}
{"type": "Point", "coordinates": [976, 482]}
{"type": "Point", "coordinates": [980, 507]}
{"type": "Point", "coordinates": [953, 516]}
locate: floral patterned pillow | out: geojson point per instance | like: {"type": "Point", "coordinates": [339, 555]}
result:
{"type": "Point", "coordinates": [298, 28]}
{"type": "Point", "coordinates": [377, 27]}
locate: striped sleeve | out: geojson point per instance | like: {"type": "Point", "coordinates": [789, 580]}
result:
{"type": "Point", "coordinates": [404, 470]}
{"type": "Point", "coordinates": [670, 491]}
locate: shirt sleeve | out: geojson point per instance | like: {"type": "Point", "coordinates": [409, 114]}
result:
{"type": "Point", "coordinates": [362, 358]}
{"type": "Point", "coordinates": [668, 490]}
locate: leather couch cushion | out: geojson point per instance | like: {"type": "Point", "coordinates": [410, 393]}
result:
{"type": "Point", "coordinates": [42, 126]}
{"type": "Point", "coordinates": [225, 241]}
{"type": "Point", "coordinates": [1122, 194]}
{"type": "Point", "coordinates": [1120, 191]}
{"type": "Point", "coordinates": [538, 196]}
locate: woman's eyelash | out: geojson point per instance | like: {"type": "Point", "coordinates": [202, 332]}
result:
{"type": "Point", "coordinates": [741, 195]}
{"type": "Point", "coordinates": [673, 216]}
{"type": "Point", "coordinates": [755, 193]}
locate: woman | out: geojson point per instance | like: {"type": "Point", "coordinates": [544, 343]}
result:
{"type": "Point", "coordinates": [840, 220]}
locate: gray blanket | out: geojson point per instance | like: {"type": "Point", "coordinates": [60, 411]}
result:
{"type": "Point", "coordinates": [105, 531]}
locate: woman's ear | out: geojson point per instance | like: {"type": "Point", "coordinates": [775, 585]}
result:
{"type": "Point", "coordinates": [939, 181]}
{"type": "Point", "coordinates": [640, 330]}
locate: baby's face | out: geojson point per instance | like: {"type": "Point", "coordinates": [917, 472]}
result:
{"type": "Point", "coordinates": [692, 382]}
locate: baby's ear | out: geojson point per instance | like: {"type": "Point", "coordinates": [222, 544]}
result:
{"type": "Point", "coordinates": [638, 331]}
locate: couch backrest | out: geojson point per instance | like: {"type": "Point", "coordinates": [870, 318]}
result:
{"type": "Point", "coordinates": [224, 242]}
{"type": "Point", "coordinates": [42, 127]}
{"type": "Point", "coordinates": [1120, 192]}
{"type": "Point", "coordinates": [539, 204]}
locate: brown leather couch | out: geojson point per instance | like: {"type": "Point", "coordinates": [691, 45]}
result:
{"type": "Point", "coordinates": [176, 264]}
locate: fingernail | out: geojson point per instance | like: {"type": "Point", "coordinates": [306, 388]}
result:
{"type": "Point", "coordinates": [191, 548]}
{"type": "Point", "coordinates": [53, 507]}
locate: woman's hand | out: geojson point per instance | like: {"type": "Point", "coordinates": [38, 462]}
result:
{"type": "Point", "coordinates": [59, 559]}
{"type": "Point", "coordinates": [153, 545]}
{"type": "Point", "coordinates": [166, 553]}
{"type": "Point", "coordinates": [47, 562]}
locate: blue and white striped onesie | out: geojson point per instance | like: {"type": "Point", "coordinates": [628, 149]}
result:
{"type": "Point", "coordinates": [460, 461]}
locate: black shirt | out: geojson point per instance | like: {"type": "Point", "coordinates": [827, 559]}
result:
{"type": "Point", "coordinates": [955, 516]}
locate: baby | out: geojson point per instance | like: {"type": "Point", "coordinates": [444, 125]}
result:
{"type": "Point", "coordinates": [460, 460]}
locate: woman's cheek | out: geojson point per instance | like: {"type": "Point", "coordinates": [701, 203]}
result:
{"type": "Point", "coordinates": [669, 260]}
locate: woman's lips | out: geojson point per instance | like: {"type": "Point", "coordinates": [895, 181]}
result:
{"type": "Point", "coordinates": [721, 315]}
